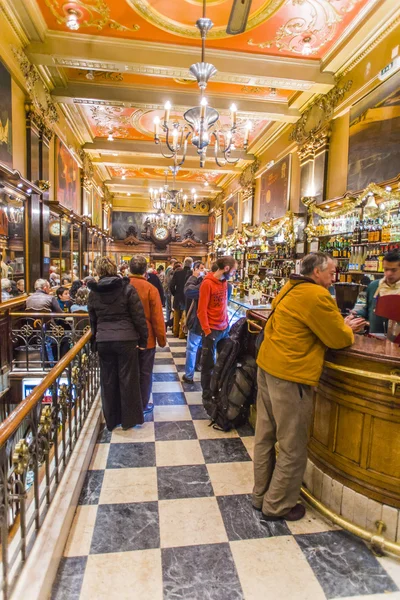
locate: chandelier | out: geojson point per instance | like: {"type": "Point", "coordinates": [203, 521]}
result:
{"type": "Point", "coordinates": [201, 124]}
{"type": "Point", "coordinates": [161, 219]}
{"type": "Point", "coordinates": [165, 198]}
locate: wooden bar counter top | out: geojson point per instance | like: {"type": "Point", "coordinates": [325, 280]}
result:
{"type": "Point", "coordinates": [355, 433]}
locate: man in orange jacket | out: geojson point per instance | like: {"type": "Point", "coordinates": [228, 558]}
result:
{"type": "Point", "coordinates": [212, 313]}
{"type": "Point", "coordinates": [153, 311]}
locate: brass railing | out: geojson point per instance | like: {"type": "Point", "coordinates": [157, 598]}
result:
{"type": "Point", "coordinates": [36, 442]}
{"type": "Point", "coordinates": [41, 339]}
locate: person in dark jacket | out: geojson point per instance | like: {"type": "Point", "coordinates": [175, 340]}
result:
{"type": "Point", "coordinates": [119, 328]}
{"type": "Point", "coordinates": [155, 280]}
{"type": "Point", "coordinates": [177, 287]}
{"type": "Point", "coordinates": [41, 300]}
{"type": "Point", "coordinates": [192, 291]}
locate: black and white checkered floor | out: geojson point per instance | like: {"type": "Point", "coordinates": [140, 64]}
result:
{"type": "Point", "coordinates": [165, 514]}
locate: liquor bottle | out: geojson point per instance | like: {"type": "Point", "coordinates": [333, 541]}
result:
{"type": "Point", "coordinates": [364, 233]}
{"type": "Point", "coordinates": [354, 238]}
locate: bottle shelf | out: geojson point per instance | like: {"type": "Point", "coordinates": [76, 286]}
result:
{"type": "Point", "coordinates": [365, 272]}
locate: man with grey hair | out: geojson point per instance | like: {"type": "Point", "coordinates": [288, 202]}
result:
{"type": "Point", "coordinates": [177, 289]}
{"type": "Point", "coordinates": [303, 323]}
{"type": "Point", "coordinates": [41, 300]}
{"type": "Point", "coordinates": [6, 289]}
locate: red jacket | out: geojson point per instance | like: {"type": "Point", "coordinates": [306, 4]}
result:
{"type": "Point", "coordinates": [153, 311]}
{"type": "Point", "coordinates": [213, 304]}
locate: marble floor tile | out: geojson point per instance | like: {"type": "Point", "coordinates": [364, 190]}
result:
{"type": "Point", "coordinates": [123, 576]}
{"type": "Point", "coordinates": [91, 487]}
{"type": "Point", "coordinates": [123, 486]}
{"type": "Point", "coordinates": [104, 435]}
{"type": "Point", "coordinates": [165, 376]}
{"type": "Point", "coordinates": [192, 387]}
{"type": "Point", "coordinates": [140, 433]}
{"type": "Point", "coordinates": [200, 573]}
{"type": "Point", "coordinates": [181, 368]}
{"type": "Point", "coordinates": [166, 386]}
{"type": "Point", "coordinates": [224, 451]}
{"type": "Point", "coordinates": [175, 453]}
{"type": "Point", "coordinates": [165, 350]}
{"type": "Point", "coordinates": [99, 457]}
{"type": "Point", "coordinates": [274, 568]}
{"type": "Point", "coordinates": [193, 398]}
{"type": "Point", "coordinates": [68, 582]}
{"type": "Point", "coordinates": [231, 478]}
{"type": "Point", "coordinates": [80, 536]}
{"type": "Point", "coordinates": [311, 523]}
{"type": "Point", "coordinates": [191, 481]}
{"type": "Point", "coordinates": [127, 455]}
{"type": "Point", "coordinates": [198, 412]}
{"type": "Point", "coordinates": [205, 432]}
{"type": "Point", "coordinates": [245, 430]}
{"type": "Point", "coordinates": [249, 444]}
{"type": "Point", "coordinates": [161, 359]}
{"type": "Point", "coordinates": [176, 343]}
{"type": "Point", "coordinates": [125, 527]}
{"type": "Point", "coordinates": [178, 430]}
{"type": "Point", "coordinates": [172, 413]}
{"type": "Point", "coordinates": [197, 376]}
{"type": "Point", "coordinates": [178, 353]}
{"type": "Point", "coordinates": [190, 521]}
{"type": "Point", "coordinates": [160, 368]}
{"type": "Point", "coordinates": [179, 360]}
{"type": "Point", "coordinates": [391, 566]}
{"type": "Point", "coordinates": [344, 565]}
{"type": "Point", "coordinates": [389, 596]}
{"type": "Point", "coordinates": [168, 398]}
{"type": "Point", "coordinates": [242, 522]}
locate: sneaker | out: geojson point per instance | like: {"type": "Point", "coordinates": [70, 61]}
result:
{"type": "Point", "coordinates": [187, 380]}
{"type": "Point", "coordinates": [295, 514]}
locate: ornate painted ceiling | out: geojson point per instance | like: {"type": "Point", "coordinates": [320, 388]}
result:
{"type": "Point", "coordinates": [114, 67]}
{"type": "Point", "coordinates": [275, 27]}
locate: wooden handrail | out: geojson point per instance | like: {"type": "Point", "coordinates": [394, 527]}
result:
{"type": "Point", "coordinates": [7, 304]}
{"type": "Point", "coordinates": [49, 314]}
{"type": "Point", "coordinates": [14, 420]}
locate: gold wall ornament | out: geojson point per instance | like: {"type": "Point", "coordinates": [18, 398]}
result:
{"type": "Point", "coordinates": [39, 94]}
{"type": "Point", "coordinates": [87, 171]}
{"type": "Point", "coordinates": [306, 36]}
{"type": "Point", "coordinates": [43, 185]}
{"type": "Point", "coordinates": [75, 375]}
{"type": "Point", "coordinates": [318, 115]}
{"type": "Point", "coordinates": [111, 119]}
{"type": "Point", "coordinates": [20, 457]}
{"type": "Point", "coordinates": [153, 16]}
{"type": "Point", "coordinates": [219, 201]}
{"type": "Point", "coordinates": [90, 14]}
{"type": "Point", "coordinates": [92, 75]}
{"type": "Point", "coordinates": [201, 208]}
{"type": "Point", "coordinates": [247, 176]}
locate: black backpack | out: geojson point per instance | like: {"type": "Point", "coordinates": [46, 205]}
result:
{"type": "Point", "coordinates": [234, 381]}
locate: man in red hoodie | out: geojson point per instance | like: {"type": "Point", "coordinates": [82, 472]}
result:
{"type": "Point", "coordinates": [212, 313]}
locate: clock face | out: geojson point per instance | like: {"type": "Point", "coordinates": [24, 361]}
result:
{"type": "Point", "coordinates": [161, 233]}
{"type": "Point", "coordinates": [56, 227]}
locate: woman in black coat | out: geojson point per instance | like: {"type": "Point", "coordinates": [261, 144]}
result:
{"type": "Point", "coordinates": [119, 328]}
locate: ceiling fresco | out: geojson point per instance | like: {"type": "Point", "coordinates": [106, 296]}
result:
{"type": "Point", "coordinates": [137, 123]}
{"type": "Point", "coordinates": [210, 177]}
{"type": "Point", "coordinates": [301, 28]}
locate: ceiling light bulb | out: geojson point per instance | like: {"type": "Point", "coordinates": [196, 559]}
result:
{"type": "Point", "coordinates": [307, 48]}
{"type": "Point", "coordinates": [249, 125]}
{"type": "Point", "coordinates": [110, 137]}
{"type": "Point", "coordinates": [72, 20]}
{"type": "Point", "coordinates": [206, 184]}
{"type": "Point", "coordinates": [115, 153]}
{"type": "Point", "coordinates": [388, 188]}
{"type": "Point", "coordinates": [89, 75]}
{"type": "Point", "coordinates": [123, 177]}
{"type": "Point", "coordinates": [233, 108]}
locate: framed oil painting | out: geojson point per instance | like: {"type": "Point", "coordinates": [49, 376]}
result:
{"type": "Point", "coordinates": [97, 209]}
{"type": "Point", "coordinates": [68, 185]}
{"type": "Point", "coordinates": [374, 144]}
{"type": "Point", "coordinates": [231, 214]}
{"type": "Point", "coordinates": [5, 117]}
{"type": "Point", "coordinates": [275, 188]}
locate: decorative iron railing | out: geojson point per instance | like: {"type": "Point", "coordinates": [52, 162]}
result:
{"type": "Point", "coordinates": [41, 339]}
{"type": "Point", "coordinates": [36, 442]}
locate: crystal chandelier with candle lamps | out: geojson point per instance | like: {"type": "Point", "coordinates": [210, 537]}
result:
{"type": "Point", "coordinates": [165, 198]}
{"type": "Point", "coordinates": [201, 124]}
{"type": "Point", "coordinates": [161, 219]}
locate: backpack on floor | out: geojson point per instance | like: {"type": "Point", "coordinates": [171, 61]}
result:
{"type": "Point", "coordinates": [234, 382]}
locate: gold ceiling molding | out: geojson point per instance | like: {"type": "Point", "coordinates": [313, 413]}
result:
{"type": "Point", "coordinates": [92, 75]}
{"type": "Point", "coordinates": [153, 16]}
{"type": "Point", "coordinates": [13, 22]}
{"type": "Point", "coordinates": [349, 66]}
{"type": "Point", "coordinates": [318, 115]}
{"type": "Point", "coordinates": [39, 95]}
{"type": "Point", "coordinates": [87, 172]}
{"type": "Point", "coordinates": [98, 14]}
{"type": "Point", "coordinates": [319, 29]}
{"type": "Point", "coordinates": [247, 177]}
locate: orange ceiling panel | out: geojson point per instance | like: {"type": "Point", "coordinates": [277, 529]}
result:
{"type": "Point", "coordinates": [199, 176]}
{"type": "Point", "coordinates": [275, 27]}
{"type": "Point", "coordinates": [234, 90]}
{"type": "Point", "coordinates": [137, 123]}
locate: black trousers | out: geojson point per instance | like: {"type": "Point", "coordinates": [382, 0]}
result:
{"type": "Point", "coordinates": [146, 364]}
{"type": "Point", "coordinates": [120, 385]}
{"type": "Point", "coordinates": [208, 357]}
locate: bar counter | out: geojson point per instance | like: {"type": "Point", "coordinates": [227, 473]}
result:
{"type": "Point", "coordinates": [354, 448]}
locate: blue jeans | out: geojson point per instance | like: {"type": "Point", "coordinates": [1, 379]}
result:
{"type": "Point", "coordinates": [192, 345]}
{"type": "Point", "coordinates": [208, 358]}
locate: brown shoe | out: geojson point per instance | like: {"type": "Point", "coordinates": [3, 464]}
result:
{"type": "Point", "coordinates": [295, 514]}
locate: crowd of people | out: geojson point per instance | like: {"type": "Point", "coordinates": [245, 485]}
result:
{"type": "Point", "coordinates": [126, 310]}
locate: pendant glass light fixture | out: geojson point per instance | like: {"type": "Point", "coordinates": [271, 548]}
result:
{"type": "Point", "coordinates": [166, 198]}
{"type": "Point", "coordinates": [201, 124]}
